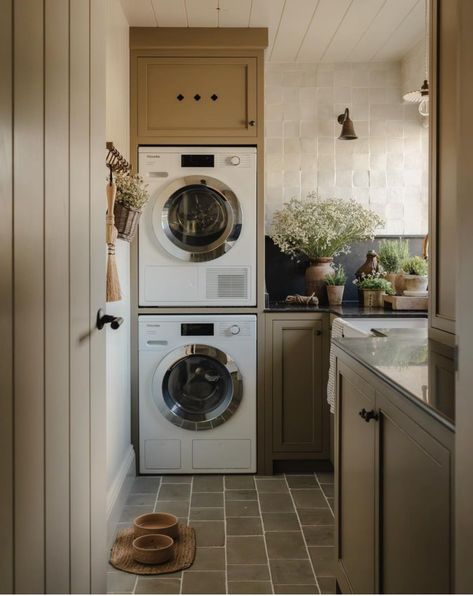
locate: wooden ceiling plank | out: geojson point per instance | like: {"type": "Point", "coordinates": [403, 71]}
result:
{"type": "Point", "coordinates": [267, 13]}
{"type": "Point", "coordinates": [139, 13]}
{"type": "Point", "coordinates": [405, 37]}
{"type": "Point", "coordinates": [293, 26]}
{"type": "Point", "coordinates": [324, 25]}
{"type": "Point", "coordinates": [202, 13]}
{"type": "Point", "coordinates": [170, 13]}
{"type": "Point", "coordinates": [357, 19]}
{"type": "Point", "coordinates": [234, 14]}
{"type": "Point", "coordinates": [382, 27]}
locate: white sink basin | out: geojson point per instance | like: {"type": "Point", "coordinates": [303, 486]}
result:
{"type": "Point", "coordinates": [359, 327]}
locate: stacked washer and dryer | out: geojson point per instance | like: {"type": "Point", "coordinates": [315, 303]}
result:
{"type": "Point", "coordinates": [197, 372]}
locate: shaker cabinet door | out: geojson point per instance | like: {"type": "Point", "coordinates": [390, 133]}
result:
{"type": "Point", "coordinates": [196, 96]}
{"type": "Point", "coordinates": [297, 386]}
{"type": "Point", "coordinates": [355, 471]}
{"type": "Point", "coordinates": [414, 506]}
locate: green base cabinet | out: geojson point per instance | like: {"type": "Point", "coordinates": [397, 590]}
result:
{"type": "Point", "coordinates": [296, 410]}
{"type": "Point", "coordinates": [394, 489]}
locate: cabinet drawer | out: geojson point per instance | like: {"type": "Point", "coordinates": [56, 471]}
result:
{"type": "Point", "coordinates": [196, 96]}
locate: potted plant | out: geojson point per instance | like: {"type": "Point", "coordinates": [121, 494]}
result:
{"type": "Point", "coordinates": [392, 254]}
{"type": "Point", "coordinates": [373, 287]}
{"type": "Point", "coordinates": [132, 196]}
{"type": "Point", "coordinates": [319, 230]}
{"type": "Point", "coordinates": [415, 274]}
{"type": "Point", "coordinates": [336, 285]}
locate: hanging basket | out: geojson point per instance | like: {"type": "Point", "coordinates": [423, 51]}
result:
{"type": "Point", "coordinates": [126, 221]}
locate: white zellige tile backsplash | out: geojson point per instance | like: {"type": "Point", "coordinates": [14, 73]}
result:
{"type": "Point", "coordinates": [385, 169]}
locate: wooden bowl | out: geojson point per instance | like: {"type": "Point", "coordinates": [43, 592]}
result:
{"type": "Point", "coordinates": [153, 549]}
{"type": "Point", "coordinates": [156, 523]}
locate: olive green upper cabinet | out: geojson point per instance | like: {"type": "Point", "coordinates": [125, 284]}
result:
{"type": "Point", "coordinates": [443, 169]}
{"type": "Point", "coordinates": [196, 96]}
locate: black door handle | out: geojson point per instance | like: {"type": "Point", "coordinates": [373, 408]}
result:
{"type": "Point", "coordinates": [368, 415]}
{"type": "Point", "coordinates": [103, 319]}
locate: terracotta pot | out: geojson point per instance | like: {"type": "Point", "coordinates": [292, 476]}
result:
{"type": "Point", "coordinates": [397, 282]}
{"type": "Point", "coordinates": [335, 295]}
{"type": "Point", "coordinates": [372, 298]}
{"type": "Point", "coordinates": [416, 283]}
{"type": "Point", "coordinates": [315, 278]}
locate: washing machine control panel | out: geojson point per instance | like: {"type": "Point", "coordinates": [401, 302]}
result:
{"type": "Point", "coordinates": [234, 329]}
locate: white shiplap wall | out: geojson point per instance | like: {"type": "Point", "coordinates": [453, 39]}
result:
{"type": "Point", "coordinates": [385, 169]}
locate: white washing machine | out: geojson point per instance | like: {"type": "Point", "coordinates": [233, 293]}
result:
{"type": "Point", "coordinates": [197, 234]}
{"type": "Point", "coordinates": [197, 395]}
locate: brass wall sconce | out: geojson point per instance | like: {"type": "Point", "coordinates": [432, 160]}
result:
{"type": "Point", "coordinates": [348, 131]}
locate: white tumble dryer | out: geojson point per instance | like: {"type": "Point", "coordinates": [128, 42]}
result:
{"type": "Point", "coordinates": [197, 234]}
{"type": "Point", "coordinates": [197, 393]}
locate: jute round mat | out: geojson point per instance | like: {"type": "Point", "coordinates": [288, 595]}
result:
{"type": "Point", "coordinates": [184, 552]}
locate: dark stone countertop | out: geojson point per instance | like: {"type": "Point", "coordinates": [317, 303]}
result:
{"type": "Point", "coordinates": [347, 310]}
{"type": "Point", "coordinates": [407, 361]}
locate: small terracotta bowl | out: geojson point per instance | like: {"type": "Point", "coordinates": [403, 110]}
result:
{"type": "Point", "coordinates": [153, 549]}
{"type": "Point", "coordinates": [156, 523]}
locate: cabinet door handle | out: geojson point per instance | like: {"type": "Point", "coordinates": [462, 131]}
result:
{"type": "Point", "coordinates": [252, 122]}
{"type": "Point", "coordinates": [368, 415]}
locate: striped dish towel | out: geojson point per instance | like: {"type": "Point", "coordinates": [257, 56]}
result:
{"type": "Point", "coordinates": [337, 331]}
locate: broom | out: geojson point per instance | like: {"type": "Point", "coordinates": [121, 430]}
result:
{"type": "Point", "coordinates": [113, 283]}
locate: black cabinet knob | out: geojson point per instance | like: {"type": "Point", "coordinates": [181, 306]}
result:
{"type": "Point", "coordinates": [103, 319]}
{"type": "Point", "coordinates": [368, 415]}
{"type": "Point", "coordinates": [252, 122]}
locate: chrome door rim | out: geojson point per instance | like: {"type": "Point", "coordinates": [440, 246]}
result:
{"type": "Point", "coordinates": [205, 253]}
{"type": "Point", "coordinates": [177, 356]}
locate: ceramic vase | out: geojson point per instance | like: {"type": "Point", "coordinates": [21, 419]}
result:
{"type": "Point", "coordinates": [397, 282]}
{"type": "Point", "coordinates": [416, 283]}
{"type": "Point", "coordinates": [315, 278]}
{"type": "Point", "coordinates": [335, 295]}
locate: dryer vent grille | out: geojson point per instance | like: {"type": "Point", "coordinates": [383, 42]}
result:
{"type": "Point", "coordinates": [227, 283]}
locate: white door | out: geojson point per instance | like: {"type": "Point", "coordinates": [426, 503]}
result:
{"type": "Point", "coordinates": [52, 456]}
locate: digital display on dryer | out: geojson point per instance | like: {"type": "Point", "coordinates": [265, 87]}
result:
{"type": "Point", "coordinates": [197, 161]}
{"type": "Point", "coordinates": [196, 329]}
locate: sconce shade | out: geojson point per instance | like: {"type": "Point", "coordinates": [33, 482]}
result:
{"type": "Point", "coordinates": [348, 131]}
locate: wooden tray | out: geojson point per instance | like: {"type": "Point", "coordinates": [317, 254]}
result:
{"type": "Point", "coordinates": [406, 302]}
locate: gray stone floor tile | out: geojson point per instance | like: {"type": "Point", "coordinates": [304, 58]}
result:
{"type": "Point", "coordinates": [119, 582]}
{"type": "Point", "coordinates": [248, 572]}
{"type": "Point", "coordinates": [280, 521]}
{"type": "Point", "coordinates": [271, 485]}
{"type": "Point", "coordinates": [129, 513]}
{"type": "Point", "coordinates": [323, 559]}
{"type": "Point", "coordinates": [206, 513]}
{"type": "Point", "coordinates": [319, 535]}
{"type": "Point", "coordinates": [242, 509]}
{"type": "Point", "coordinates": [207, 499]}
{"type": "Point", "coordinates": [141, 500]}
{"type": "Point", "coordinates": [241, 495]}
{"type": "Point", "coordinates": [246, 550]}
{"type": "Point", "coordinates": [179, 508]}
{"type": "Point", "coordinates": [243, 526]}
{"type": "Point", "coordinates": [177, 479]}
{"type": "Point", "coordinates": [209, 558]}
{"type": "Point", "coordinates": [242, 587]}
{"type": "Point", "coordinates": [306, 499]}
{"type": "Point", "coordinates": [295, 589]}
{"type": "Point", "coordinates": [157, 585]}
{"type": "Point", "coordinates": [286, 545]}
{"type": "Point", "coordinates": [302, 481]}
{"type": "Point", "coordinates": [291, 572]}
{"type": "Point", "coordinates": [276, 502]}
{"type": "Point", "coordinates": [327, 489]}
{"type": "Point", "coordinates": [203, 582]}
{"type": "Point", "coordinates": [207, 484]}
{"type": "Point", "coordinates": [209, 533]}
{"type": "Point", "coordinates": [325, 477]}
{"type": "Point", "coordinates": [316, 517]}
{"type": "Point", "coordinates": [146, 484]}
{"type": "Point", "coordinates": [239, 482]}
{"type": "Point", "coordinates": [174, 492]}
{"type": "Point", "coordinates": [327, 585]}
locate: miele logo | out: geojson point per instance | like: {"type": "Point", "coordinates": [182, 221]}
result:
{"type": "Point", "coordinates": [153, 155]}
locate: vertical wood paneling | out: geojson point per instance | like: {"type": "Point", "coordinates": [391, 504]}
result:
{"type": "Point", "coordinates": [79, 296]}
{"type": "Point", "coordinates": [97, 365]}
{"type": "Point", "coordinates": [56, 145]}
{"type": "Point", "coordinates": [29, 296]}
{"type": "Point", "coordinates": [6, 300]}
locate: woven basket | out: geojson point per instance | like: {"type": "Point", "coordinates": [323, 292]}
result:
{"type": "Point", "coordinates": [126, 221]}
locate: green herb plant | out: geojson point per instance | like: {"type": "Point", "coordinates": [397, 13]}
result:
{"type": "Point", "coordinates": [392, 254]}
{"type": "Point", "coordinates": [415, 266]}
{"type": "Point", "coordinates": [374, 281]}
{"type": "Point", "coordinates": [338, 278]}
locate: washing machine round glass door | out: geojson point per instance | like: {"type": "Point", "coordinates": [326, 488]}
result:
{"type": "Point", "coordinates": [197, 387]}
{"type": "Point", "coordinates": [197, 218]}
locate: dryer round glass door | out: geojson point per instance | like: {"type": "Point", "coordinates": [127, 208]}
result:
{"type": "Point", "coordinates": [197, 218]}
{"type": "Point", "coordinates": [197, 387]}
